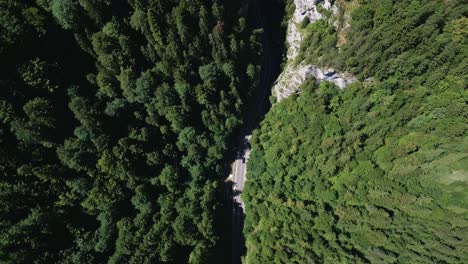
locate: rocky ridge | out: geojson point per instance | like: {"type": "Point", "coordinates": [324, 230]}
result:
{"type": "Point", "coordinates": [293, 76]}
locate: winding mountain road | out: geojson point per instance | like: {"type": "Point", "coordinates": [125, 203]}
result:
{"type": "Point", "coordinates": [239, 169]}
{"type": "Point", "coordinates": [258, 108]}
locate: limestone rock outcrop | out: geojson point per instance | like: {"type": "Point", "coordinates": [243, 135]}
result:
{"type": "Point", "coordinates": [292, 77]}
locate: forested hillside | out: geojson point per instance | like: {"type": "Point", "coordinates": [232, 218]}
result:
{"type": "Point", "coordinates": [377, 172]}
{"type": "Point", "coordinates": [115, 121]}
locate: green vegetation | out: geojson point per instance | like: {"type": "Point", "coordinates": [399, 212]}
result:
{"type": "Point", "coordinates": [400, 39]}
{"type": "Point", "coordinates": [377, 172]}
{"type": "Point", "coordinates": [115, 121]}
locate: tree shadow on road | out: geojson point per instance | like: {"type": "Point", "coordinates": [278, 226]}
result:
{"type": "Point", "coordinates": [233, 247]}
{"type": "Point", "coordinates": [238, 240]}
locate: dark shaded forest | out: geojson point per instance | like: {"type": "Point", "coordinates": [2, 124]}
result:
{"type": "Point", "coordinates": [376, 172]}
{"type": "Point", "coordinates": [116, 121]}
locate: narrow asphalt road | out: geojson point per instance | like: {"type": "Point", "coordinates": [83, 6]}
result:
{"type": "Point", "coordinates": [258, 108]}
{"type": "Point", "coordinates": [239, 169]}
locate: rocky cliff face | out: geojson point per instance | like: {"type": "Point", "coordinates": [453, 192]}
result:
{"type": "Point", "coordinates": [304, 8]}
{"type": "Point", "coordinates": [308, 8]}
{"type": "Point", "coordinates": [292, 77]}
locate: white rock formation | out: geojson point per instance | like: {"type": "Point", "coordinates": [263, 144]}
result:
{"type": "Point", "coordinates": [292, 77]}
{"type": "Point", "coordinates": [339, 79]}
{"type": "Point", "coordinates": [307, 8]}
{"type": "Point", "coordinates": [304, 8]}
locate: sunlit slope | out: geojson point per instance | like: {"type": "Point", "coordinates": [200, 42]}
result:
{"type": "Point", "coordinates": [376, 172]}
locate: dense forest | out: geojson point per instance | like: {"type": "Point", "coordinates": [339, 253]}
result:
{"type": "Point", "coordinates": [116, 118]}
{"type": "Point", "coordinates": [376, 172]}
